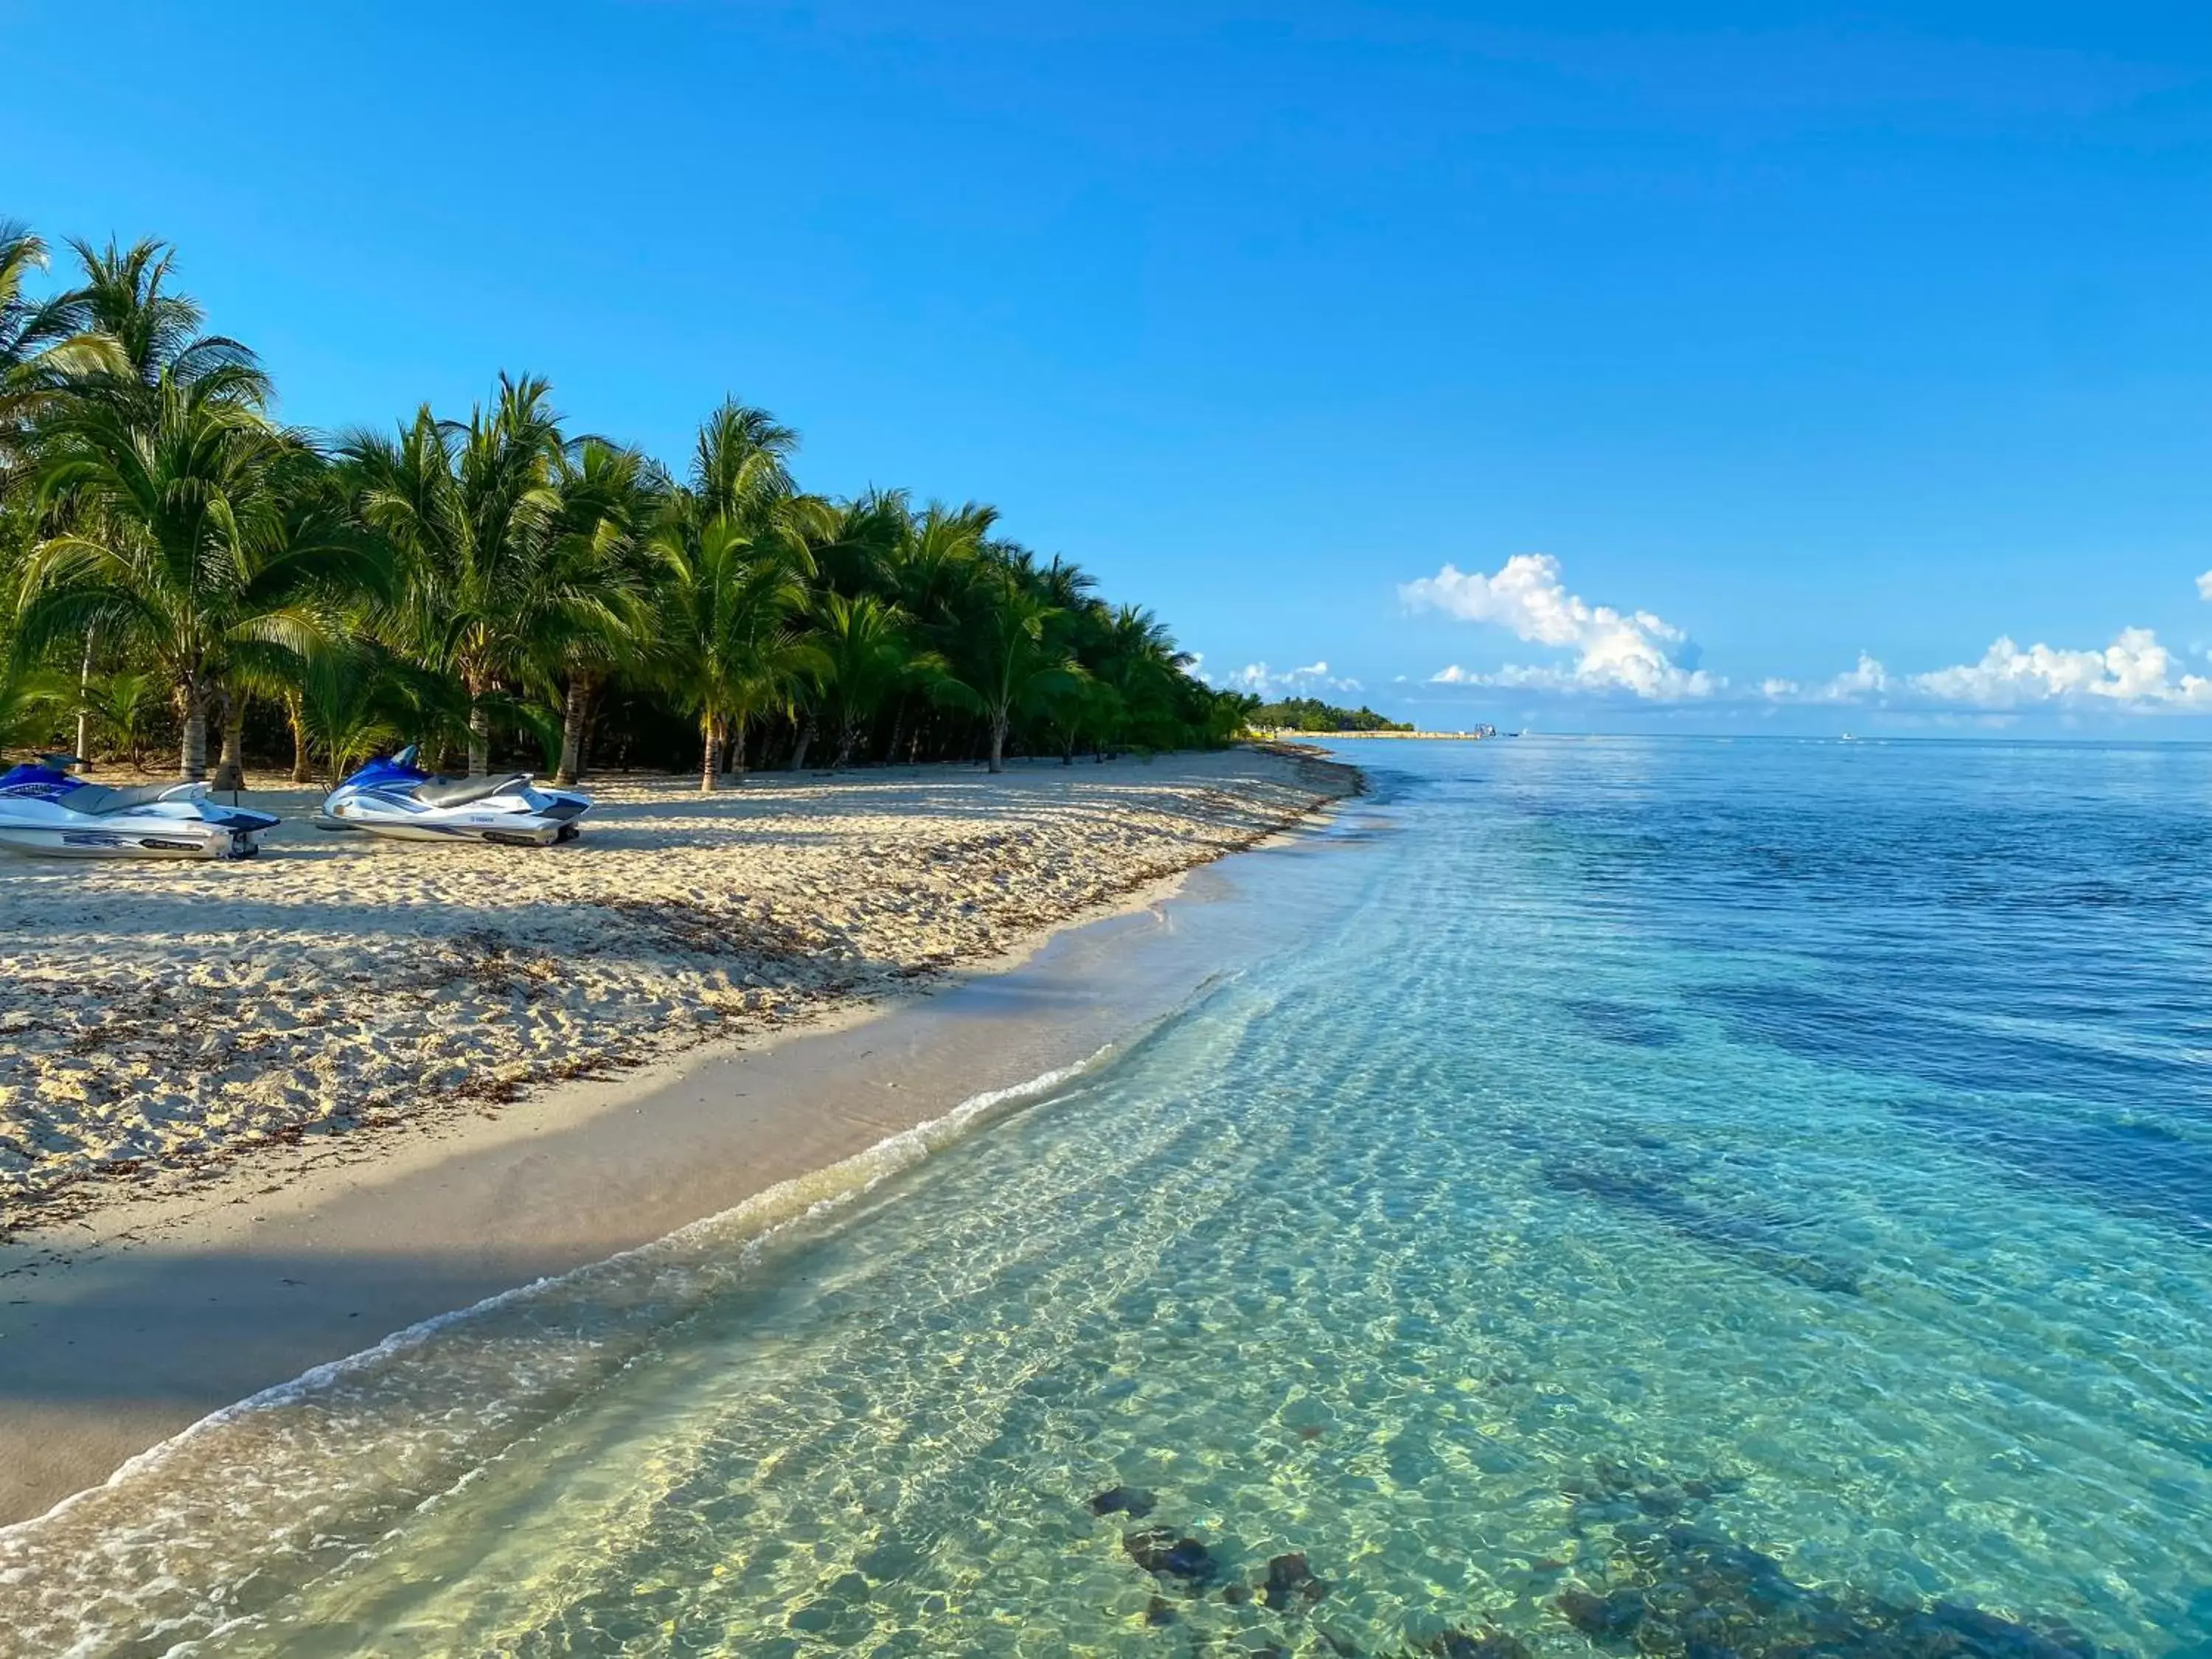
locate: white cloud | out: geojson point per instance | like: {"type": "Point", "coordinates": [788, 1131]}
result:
{"type": "Point", "coordinates": [1633, 652]}
{"type": "Point", "coordinates": [1867, 678]}
{"type": "Point", "coordinates": [1258, 677]}
{"type": "Point", "coordinates": [2134, 673]}
{"type": "Point", "coordinates": [2134, 670]}
{"type": "Point", "coordinates": [2204, 587]}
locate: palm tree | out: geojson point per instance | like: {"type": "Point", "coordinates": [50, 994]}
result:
{"type": "Point", "coordinates": [858, 549]}
{"type": "Point", "coordinates": [740, 465]}
{"type": "Point", "coordinates": [125, 327]}
{"type": "Point", "coordinates": [1137, 660]}
{"type": "Point", "coordinates": [119, 703]}
{"type": "Point", "coordinates": [932, 568]}
{"type": "Point", "coordinates": [867, 656]}
{"type": "Point", "coordinates": [182, 545]}
{"type": "Point", "coordinates": [589, 604]}
{"type": "Point", "coordinates": [29, 329]}
{"type": "Point", "coordinates": [472, 512]}
{"type": "Point", "coordinates": [726, 646]}
{"type": "Point", "coordinates": [31, 702]}
{"type": "Point", "coordinates": [1009, 662]}
{"type": "Point", "coordinates": [353, 699]}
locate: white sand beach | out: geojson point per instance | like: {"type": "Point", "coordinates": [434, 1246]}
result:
{"type": "Point", "coordinates": [161, 1021]}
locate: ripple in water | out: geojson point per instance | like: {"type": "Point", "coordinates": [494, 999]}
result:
{"type": "Point", "coordinates": [1680, 1198]}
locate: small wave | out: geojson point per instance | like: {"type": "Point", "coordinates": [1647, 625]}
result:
{"type": "Point", "coordinates": [219, 1520]}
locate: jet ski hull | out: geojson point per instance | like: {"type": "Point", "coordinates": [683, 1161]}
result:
{"type": "Point", "coordinates": [511, 829]}
{"type": "Point", "coordinates": [393, 800]}
{"type": "Point", "coordinates": [47, 813]}
{"type": "Point", "coordinates": [176, 839]}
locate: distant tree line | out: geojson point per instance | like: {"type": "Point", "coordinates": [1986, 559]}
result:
{"type": "Point", "coordinates": [1311, 714]}
{"type": "Point", "coordinates": [179, 570]}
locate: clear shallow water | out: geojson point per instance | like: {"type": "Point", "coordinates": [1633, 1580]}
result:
{"type": "Point", "coordinates": [1619, 1155]}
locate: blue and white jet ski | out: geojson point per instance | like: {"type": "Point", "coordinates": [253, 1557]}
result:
{"type": "Point", "coordinates": [44, 808]}
{"type": "Point", "coordinates": [397, 798]}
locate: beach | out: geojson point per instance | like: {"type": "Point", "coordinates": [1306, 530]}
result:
{"type": "Point", "coordinates": [1490, 1216]}
{"type": "Point", "coordinates": [259, 1114]}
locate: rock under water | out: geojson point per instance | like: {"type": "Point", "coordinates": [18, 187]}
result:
{"type": "Point", "coordinates": [1132, 1501]}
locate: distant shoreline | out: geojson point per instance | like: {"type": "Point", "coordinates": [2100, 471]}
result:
{"type": "Point", "coordinates": [1341, 737]}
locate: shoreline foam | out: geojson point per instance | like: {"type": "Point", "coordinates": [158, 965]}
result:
{"type": "Point", "coordinates": [248, 1444]}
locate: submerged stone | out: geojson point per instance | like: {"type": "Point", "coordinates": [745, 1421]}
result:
{"type": "Point", "coordinates": [1132, 1501]}
{"type": "Point", "coordinates": [1290, 1580]}
{"type": "Point", "coordinates": [1191, 1559]}
{"type": "Point", "coordinates": [1679, 1590]}
{"type": "Point", "coordinates": [1159, 1552]}
{"type": "Point", "coordinates": [1603, 1617]}
{"type": "Point", "coordinates": [1485, 1643]}
{"type": "Point", "coordinates": [1157, 1612]}
{"type": "Point", "coordinates": [1149, 1548]}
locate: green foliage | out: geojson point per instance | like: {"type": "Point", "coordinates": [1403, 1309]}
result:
{"type": "Point", "coordinates": [120, 706]}
{"type": "Point", "coordinates": [1311, 714]}
{"type": "Point", "coordinates": [167, 550]}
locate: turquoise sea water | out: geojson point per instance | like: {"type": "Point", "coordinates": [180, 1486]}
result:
{"type": "Point", "coordinates": [1692, 1197]}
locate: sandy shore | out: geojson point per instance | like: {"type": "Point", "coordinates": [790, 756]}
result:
{"type": "Point", "coordinates": [256, 1123]}
{"type": "Point", "coordinates": [157, 1020]}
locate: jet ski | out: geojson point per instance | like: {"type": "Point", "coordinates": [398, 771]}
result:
{"type": "Point", "coordinates": [46, 808]}
{"type": "Point", "coordinates": [398, 799]}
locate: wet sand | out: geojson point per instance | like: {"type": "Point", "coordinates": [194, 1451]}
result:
{"type": "Point", "coordinates": [137, 1315]}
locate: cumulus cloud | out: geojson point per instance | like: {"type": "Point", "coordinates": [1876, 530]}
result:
{"type": "Point", "coordinates": [2135, 672]}
{"type": "Point", "coordinates": [1865, 680]}
{"type": "Point", "coordinates": [2205, 586]}
{"type": "Point", "coordinates": [1620, 651]}
{"type": "Point", "coordinates": [1258, 677]}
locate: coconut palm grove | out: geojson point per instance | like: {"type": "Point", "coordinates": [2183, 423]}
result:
{"type": "Point", "coordinates": [181, 573]}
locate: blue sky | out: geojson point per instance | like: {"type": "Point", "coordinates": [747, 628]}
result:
{"type": "Point", "coordinates": [1711, 347]}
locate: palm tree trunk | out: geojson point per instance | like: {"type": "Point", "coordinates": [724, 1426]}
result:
{"type": "Point", "coordinates": [295, 711]}
{"type": "Point", "coordinates": [479, 736]}
{"type": "Point", "coordinates": [710, 751]}
{"type": "Point", "coordinates": [192, 765]}
{"type": "Point", "coordinates": [578, 705]}
{"type": "Point", "coordinates": [84, 699]}
{"type": "Point", "coordinates": [998, 743]}
{"type": "Point", "coordinates": [230, 770]}
{"type": "Point", "coordinates": [737, 748]}
{"type": "Point", "coordinates": [805, 736]}
{"type": "Point", "coordinates": [898, 731]}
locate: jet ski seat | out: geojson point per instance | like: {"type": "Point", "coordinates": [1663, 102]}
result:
{"type": "Point", "coordinates": [95, 800]}
{"type": "Point", "coordinates": [459, 792]}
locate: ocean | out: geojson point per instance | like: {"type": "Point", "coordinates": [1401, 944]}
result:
{"type": "Point", "coordinates": [1683, 1196]}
